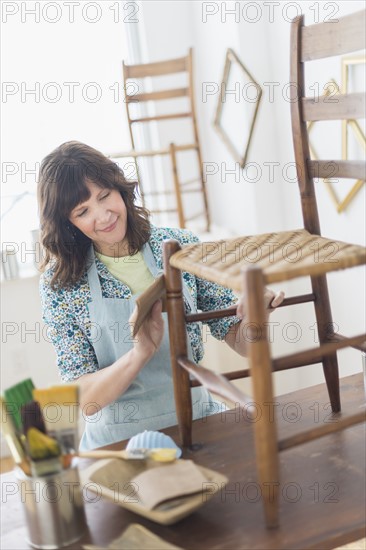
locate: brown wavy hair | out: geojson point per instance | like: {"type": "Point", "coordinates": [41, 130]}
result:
{"type": "Point", "coordinates": [61, 187]}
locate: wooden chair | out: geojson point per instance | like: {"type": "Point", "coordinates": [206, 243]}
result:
{"type": "Point", "coordinates": [225, 262]}
{"type": "Point", "coordinates": [131, 73]}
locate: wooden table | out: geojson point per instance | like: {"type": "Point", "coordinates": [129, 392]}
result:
{"type": "Point", "coordinates": [322, 489]}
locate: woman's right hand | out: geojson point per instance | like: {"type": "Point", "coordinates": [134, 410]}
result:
{"type": "Point", "coordinates": [148, 339]}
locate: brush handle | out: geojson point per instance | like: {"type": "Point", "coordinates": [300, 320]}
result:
{"type": "Point", "coordinates": [15, 447]}
{"type": "Point", "coordinates": [159, 455]}
{"type": "Point", "coordinates": [103, 454]}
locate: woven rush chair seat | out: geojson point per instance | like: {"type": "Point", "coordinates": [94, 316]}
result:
{"type": "Point", "coordinates": [281, 256]}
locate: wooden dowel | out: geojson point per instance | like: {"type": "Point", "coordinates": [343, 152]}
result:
{"type": "Point", "coordinates": [320, 431]}
{"type": "Point", "coordinates": [157, 96]}
{"type": "Point", "coordinates": [314, 355]}
{"type": "Point", "coordinates": [344, 35]}
{"type": "Point", "coordinates": [178, 196]}
{"type": "Point", "coordinates": [160, 210]}
{"type": "Point", "coordinates": [234, 375]}
{"type": "Point", "coordinates": [156, 68]}
{"type": "Point", "coordinates": [347, 106]}
{"type": "Point", "coordinates": [178, 342]}
{"type": "Point", "coordinates": [212, 314]}
{"type": "Point", "coordinates": [192, 180]}
{"type": "Point", "coordinates": [260, 364]}
{"type": "Point", "coordinates": [217, 383]}
{"type": "Point", "coordinates": [337, 169]}
{"type": "Point", "coordinates": [195, 216]}
{"type": "Point", "coordinates": [161, 117]}
{"type": "Point", "coordinates": [151, 153]}
{"type": "Point", "coordinates": [339, 338]}
{"type": "Point", "coordinates": [229, 311]}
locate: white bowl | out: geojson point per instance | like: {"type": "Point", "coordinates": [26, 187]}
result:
{"type": "Point", "coordinates": [152, 440]}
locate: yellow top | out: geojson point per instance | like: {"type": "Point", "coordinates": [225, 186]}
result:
{"type": "Point", "coordinates": [131, 270]}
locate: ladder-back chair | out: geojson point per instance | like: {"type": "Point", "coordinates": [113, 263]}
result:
{"type": "Point", "coordinates": [224, 262]}
{"type": "Point", "coordinates": [133, 73]}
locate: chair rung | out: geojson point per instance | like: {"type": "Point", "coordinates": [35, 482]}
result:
{"type": "Point", "coordinates": [156, 96]}
{"type": "Point", "coordinates": [156, 68]}
{"type": "Point", "coordinates": [325, 40]}
{"type": "Point", "coordinates": [214, 314]}
{"type": "Point", "coordinates": [188, 182]}
{"type": "Point", "coordinates": [161, 210]}
{"type": "Point", "coordinates": [337, 169]}
{"type": "Point", "coordinates": [320, 431]}
{"type": "Point", "coordinates": [169, 192]}
{"type": "Point", "coordinates": [195, 216]}
{"type": "Point", "coordinates": [217, 383]}
{"type": "Point", "coordinates": [234, 375]}
{"type": "Point", "coordinates": [339, 338]}
{"type": "Point", "coordinates": [188, 191]}
{"type": "Point", "coordinates": [347, 106]}
{"type": "Point", "coordinates": [227, 312]}
{"type": "Point", "coordinates": [160, 117]}
{"type": "Point", "coordinates": [315, 355]}
{"type": "Point", "coordinates": [152, 153]}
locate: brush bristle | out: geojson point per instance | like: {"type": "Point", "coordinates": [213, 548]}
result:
{"type": "Point", "coordinates": [57, 394]}
{"type": "Point", "coordinates": [16, 396]}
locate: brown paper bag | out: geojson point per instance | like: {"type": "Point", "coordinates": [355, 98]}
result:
{"type": "Point", "coordinates": [169, 481]}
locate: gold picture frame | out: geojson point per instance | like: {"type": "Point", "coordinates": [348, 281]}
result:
{"type": "Point", "coordinates": [350, 123]}
{"type": "Point", "coordinates": [231, 59]}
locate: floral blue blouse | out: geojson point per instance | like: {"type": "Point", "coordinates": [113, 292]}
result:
{"type": "Point", "coordinates": [66, 314]}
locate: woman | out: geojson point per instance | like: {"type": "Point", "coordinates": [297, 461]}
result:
{"type": "Point", "coordinates": [101, 252]}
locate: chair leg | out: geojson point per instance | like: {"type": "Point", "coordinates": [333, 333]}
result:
{"type": "Point", "coordinates": [178, 192]}
{"type": "Point", "coordinates": [325, 328]}
{"type": "Point", "coordinates": [265, 431]}
{"type": "Point", "coordinates": [178, 343]}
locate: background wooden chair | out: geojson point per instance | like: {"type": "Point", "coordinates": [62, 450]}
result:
{"type": "Point", "coordinates": [224, 262]}
{"type": "Point", "coordinates": [134, 77]}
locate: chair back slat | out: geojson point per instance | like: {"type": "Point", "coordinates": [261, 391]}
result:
{"type": "Point", "coordinates": [344, 35]}
{"type": "Point", "coordinates": [354, 169]}
{"type": "Point", "coordinates": [156, 96]}
{"type": "Point", "coordinates": [156, 69]}
{"type": "Point", "coordinates": [337, 37]}
{"type": "Point", "coordinates": [340, 107]}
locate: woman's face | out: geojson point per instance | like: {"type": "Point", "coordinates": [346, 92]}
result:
{"type": "Point", "coordinates": [103, 218]}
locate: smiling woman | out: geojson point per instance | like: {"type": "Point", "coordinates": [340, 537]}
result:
{"type": "Point", "coordinates": [101, 253]}
{"type": "Point", "coordinates": [103, 218]}
{"type": "Point", "coordinates": [81, 194]}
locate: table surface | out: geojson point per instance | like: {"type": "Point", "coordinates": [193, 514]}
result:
{"type": "Point", "coordinates": [322, 503]}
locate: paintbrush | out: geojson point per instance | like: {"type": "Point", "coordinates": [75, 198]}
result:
{"type": "Point", "coordinates": [12, 439]}
{"type": "Point", "coordinates": [63, 426]}
{"type": "Point", "coordinates": [44, 452]}
{"type": "Point", "coordinates": [15, 397]}
{"type": "Point", "coordinates": [159, 455]}
{"type": "Point", "coordinates": [32, 417]}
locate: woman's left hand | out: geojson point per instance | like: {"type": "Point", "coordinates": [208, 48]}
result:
{"type": "Point", "coordinates": [236, 338]}
{"type": "Point", "coordinates": [271, 301]}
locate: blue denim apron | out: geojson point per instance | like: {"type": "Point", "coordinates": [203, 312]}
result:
{"type": "Point", "coordinates": [148, 403]}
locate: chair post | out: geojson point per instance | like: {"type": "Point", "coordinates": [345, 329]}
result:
{"type": "Point", "coordinates": [178, 194]}
{"type": "Point", "coordinates": [196, 137]}
{"type": "Point", "coordinates": [178, 342]}
{"type": "Point", "coordinates": [309, 206]}
{"type": "Point", "coordinates": [325, 329]}
{"type": "Point", "coordinates": [260, 365]}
